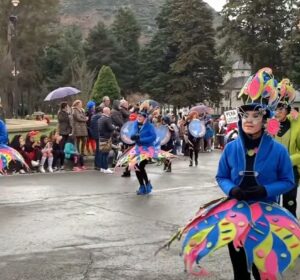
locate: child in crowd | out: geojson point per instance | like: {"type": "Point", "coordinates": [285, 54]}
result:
{"type": "Point", "coordinates": [18, 143]}
{"type": "Point", "coordinates": [57, 150]}
{"type": "Point", "coordinates": [32, 150]}
{"type": "Point", "coordinates": [72, 154]}
{"type": "Point", "coordinates": [47, 154]}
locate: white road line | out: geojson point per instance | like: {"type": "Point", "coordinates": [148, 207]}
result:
{"type": "Point", "coordinates": [174, 189]}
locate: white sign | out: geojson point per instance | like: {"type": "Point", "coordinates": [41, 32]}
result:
{"type": "Point", "coordinates": [231, 116]}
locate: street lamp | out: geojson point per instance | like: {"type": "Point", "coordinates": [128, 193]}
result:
{"type": "Point", "coordinates": [13, 19]}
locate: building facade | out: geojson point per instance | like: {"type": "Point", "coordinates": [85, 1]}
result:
{"type": "Point", "coordinates": [233, 83]}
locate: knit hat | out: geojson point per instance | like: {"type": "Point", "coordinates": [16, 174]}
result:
{"type": "Point", "coordinates": [90, 105]}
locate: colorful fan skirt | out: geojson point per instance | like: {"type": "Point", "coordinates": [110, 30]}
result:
{"type": "Point", "coordinates": [269, 234]}
{"type": "Point", "coordinates": [139, 153]}
{"type": "Point", "coordinates": [7, 155]}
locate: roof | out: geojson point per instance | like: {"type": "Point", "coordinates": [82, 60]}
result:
{"type": "Point", "coordinates": [240, 65]}
{"type": "Point", "coordinates": [235, 83]}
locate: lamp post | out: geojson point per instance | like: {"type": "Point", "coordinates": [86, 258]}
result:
{"type": "Point", "coordinates": [13, 19]}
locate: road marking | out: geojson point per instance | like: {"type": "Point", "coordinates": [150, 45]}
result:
{"type": "Point", "coordinates": [174, 189]}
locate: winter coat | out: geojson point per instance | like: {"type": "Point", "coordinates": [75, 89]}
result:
{"type": "Point", "coordinates": [105, 127]}
{"type": "Point", "coordinates": [3, 133]}
{"type": "Point", "coordinates": [64, 123]}
{"type": "Point", "coordinates": [117, 118]}
{"type": "Point", "coordinates": [147, 134]}
{"type": "Point", "coordinates": [79, 123]}
{"type": "Point", "coordinates": [70, 150]}
{"type": "Point", "coordinates": [125, 114]}
{"type": "Point", "coordinates": [272, 164]}
{"type": "Point", "coordinates": [294, 146]}
{"type": "Point", "coordinates": [94, 126]}
{"type": "Point", "coordinates": [89, 115]}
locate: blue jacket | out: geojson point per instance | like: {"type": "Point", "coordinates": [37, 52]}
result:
{"type": "Point", "coordinates": [3, 133]}
{"type": "Point", "coordinates": [272, 164]}
{"type": "Point", "coordinates": [70, 150]}
{"type": "Point", "coordinates": [147, 134]}
{"type": "Point", "coordinates": [94, 126]}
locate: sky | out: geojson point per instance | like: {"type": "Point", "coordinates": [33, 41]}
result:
{"type": "Point", "coordinates": [216, 4]}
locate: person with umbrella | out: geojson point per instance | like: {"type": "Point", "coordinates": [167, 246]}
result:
{"type": "Point", "coordinates": [64, 122]}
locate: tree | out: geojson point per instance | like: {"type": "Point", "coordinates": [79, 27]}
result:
{"type": "Point", "coordinates": [182, 63]}
{"type": "Point", "coordinates": [83, 78]}
{"type": "Point", "coordinates": [256, 29]}
{"type": "Point", "coordinates": [105, 85]}
{"type": "Point", "coordinates": [196, 68]}
{"type": "Point", "coordinates": [102, 49]}
{"type": "Point", "coordinates": [291, 50]}
{"type": "Point", "coordinates": [35, 30]}
{"type": "Point", "coordinates": [58, 58]}
{"type": "Point", "coordinates": [127, 32]}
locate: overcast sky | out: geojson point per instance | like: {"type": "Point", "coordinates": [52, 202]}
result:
{"type": "Point", "coordinates": [216, 4]}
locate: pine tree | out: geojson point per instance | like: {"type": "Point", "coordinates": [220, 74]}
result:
{"type": "Point", "coordinates": [291, 50]}
{"type": "Point", "coordinates": [58, 58]}
{"type": "Point", "coordinates": [101, 49]}
{"type": "Point", "coordinates": [105, 85]}
{"type": "Point", "coordinates": [127, 32]}
{"type": "Point", "coordinates": [256, 29]}
{"type": "Point", "coordinates": [180, 63]}
{"type": "Point", "coordinates": [196, 68]}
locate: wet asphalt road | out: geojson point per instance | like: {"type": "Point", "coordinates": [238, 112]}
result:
{"type": "Point", "coordinates": [80, 226]}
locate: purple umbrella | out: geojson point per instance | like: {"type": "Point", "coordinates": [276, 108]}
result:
{"type": "Point", "coordinates": [61, 93]}
{"type": "Point", "coordinates": [202, 109]}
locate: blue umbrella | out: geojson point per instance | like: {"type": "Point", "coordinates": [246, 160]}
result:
{"type": "Point", "coordinates": [61, 92]}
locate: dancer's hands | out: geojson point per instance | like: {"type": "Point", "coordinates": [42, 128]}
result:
{"type": "Point", "coordinates": [135, 137]}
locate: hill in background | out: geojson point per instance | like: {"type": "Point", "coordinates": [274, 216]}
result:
{"type": "Point", "coordinates": [87, 13]}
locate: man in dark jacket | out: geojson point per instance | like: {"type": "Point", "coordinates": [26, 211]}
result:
{"type": "Point", "coordinates": [105, 131]}
{"type": "Point", "coordinates": [116, 115]}
{"type": "Point", "coordinates": [95, 135]}
{"type": "Point", "coordinates": [124, 110]}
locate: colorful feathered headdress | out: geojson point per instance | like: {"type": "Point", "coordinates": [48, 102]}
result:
{"type": "Point", "coordinates": [261, 88]}
{"type": "Point", "coordinates": [149, 107]}
{"type": "Point", "coordinates": [286, 92]}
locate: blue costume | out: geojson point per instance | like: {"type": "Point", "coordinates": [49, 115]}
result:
{"type": "Point", "coordinates": [272, 164]}
{"type": "Point", "coordinates": [3, 133]}
{"type": "Point", "coordinates": [146, 132]}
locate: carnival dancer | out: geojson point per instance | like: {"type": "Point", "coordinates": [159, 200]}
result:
{"type": "Point", "coordinates": [289, 136]}
{"type": "Point", "coordinates": [144, 137]}
{"type": "Point", "coordinates": [146, 149]}
{"type": "Point", "coordinates": [170, 145]}
{"type": "Point", "coordinates": [254, 170]}
{"type": "Point", "coordinates": [3, 133]}
{"type": "Point", "coordinates": [193, 142]}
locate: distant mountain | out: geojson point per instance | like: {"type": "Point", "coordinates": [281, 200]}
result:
{"type": "Point", "coordinates": [87, 13]}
